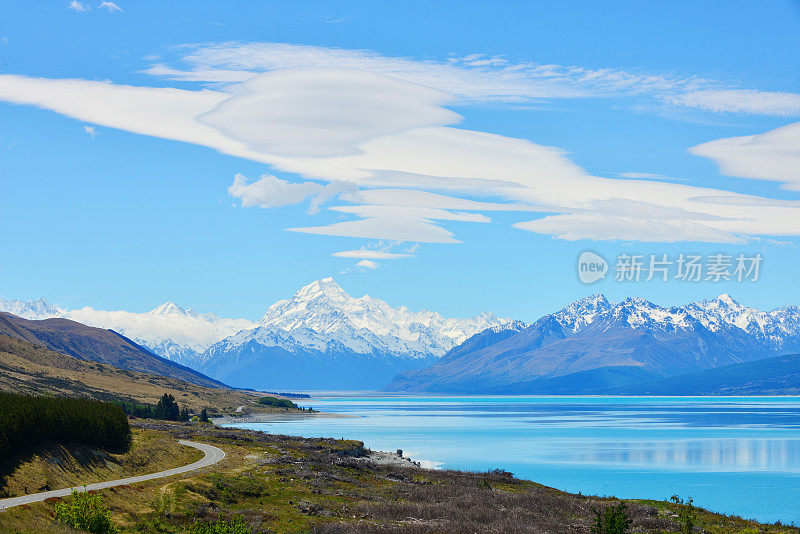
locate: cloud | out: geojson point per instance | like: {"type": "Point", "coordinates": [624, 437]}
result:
{"type": "Point", "coordinates": [111, 7]}
{"type": "Point", "coordinates": [91, 131]}
{"type": "Point", "coordinates": [370, 255]}
{"type": "Point", "coordinates": [368, 264]}
{"type": "Point", "coordinates": [74, 5]}
{"type": "Point", "coordinates": [479, 77]}
{"type": "Point", "coordinates": [778, 104]}
{"type": "Point", "coordinates": [404, 178]}
{"type": "Point", "coordinates": [773, 155]}
{"type": "Point", "coordinates": [271, 192]}
{"type": "Point", "coordinates": [392, 228]}
{"type": "Point", "coordinates": [324, 113]}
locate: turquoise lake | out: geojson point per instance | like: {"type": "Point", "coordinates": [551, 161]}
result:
{"type": "Point", "coordinates": [737, 455]}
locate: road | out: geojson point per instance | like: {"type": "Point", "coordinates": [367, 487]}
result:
{"type": "Point", "coordinates": [212, 456]}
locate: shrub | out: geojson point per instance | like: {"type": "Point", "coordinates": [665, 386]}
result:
{"type": "Point", "coordinates": [687, 513]}
{"type": "Point", "coordinates": [275, 402]}
{"type": "Point", "coordinates": [28, 421]}
{"type": "Point", "coordinates": [612, 520]}
{"type": "Point", "coordinates": [85, 511]}
{"type": "Point", "coordinates": [234, 526]}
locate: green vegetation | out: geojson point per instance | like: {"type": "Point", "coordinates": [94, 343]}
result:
{"type": "Point", "coordinates": [28, 421]}
{"type": "Point", "coordinates": [234, 526]}
{"type": "Point", "coordinates": [612, 520]}
{"type": "Point", "coordinates": [275, 402]}
{"type": "Point", "coordinates": [686, 512]}
{"type": "Point", "coordinates": [85, 511]}
{"type": "Point", "coordinates": [167, 410]}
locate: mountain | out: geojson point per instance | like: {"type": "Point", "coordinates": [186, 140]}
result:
{"type": "Point", "coordinates": [322, 338]}
{"type": "Point", "coordinates": [171, 331]}
{"type": "Point", "coordinates": [779, 375]}
{"type": "Point", "coordinates": [592, 345]}
{"type": "Point", "coordinates": [29, 369]}
{"type": "Point", "coordinates": [97, 345]}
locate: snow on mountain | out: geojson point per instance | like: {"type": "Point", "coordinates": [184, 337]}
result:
{"type": "Point", "coordinates": [365, 324]}
{"type": "Point", "coordinates": [34, 310]}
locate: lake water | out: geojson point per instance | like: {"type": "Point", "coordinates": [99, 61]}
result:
{"type": "Point", "coordinates": [737, 455]}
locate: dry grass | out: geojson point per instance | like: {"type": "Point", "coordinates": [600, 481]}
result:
{"type": "Point", "coordinates": [32, 370]}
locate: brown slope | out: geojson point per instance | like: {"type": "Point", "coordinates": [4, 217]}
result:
{"type": "Point", "coordinates": [30, 369]}
{"type": "Point", "coordinates": [97, 345]}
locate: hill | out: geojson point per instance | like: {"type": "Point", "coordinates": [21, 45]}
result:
{"type": "Point", "coordinates": [29, 369]}
{"type": "Point", "coordinates": [97, 345]}
{"type": "Point", "coordinates": [773, 376]}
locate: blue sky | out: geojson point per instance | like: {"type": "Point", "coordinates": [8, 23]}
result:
{"type": "Point", "coordinates": [376, 128]}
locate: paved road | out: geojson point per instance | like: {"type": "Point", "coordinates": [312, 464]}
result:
{"type": "Point", "coordinates": [212, 456]}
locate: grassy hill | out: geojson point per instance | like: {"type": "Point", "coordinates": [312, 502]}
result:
{"type": "Point", "coordinates": [97, 345]}
{"type": "Point", "coordinates": [29, 369]}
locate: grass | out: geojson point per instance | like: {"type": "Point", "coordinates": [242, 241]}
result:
{"type": "Point", "coordinates": [29, 369]}
{"type": "Point", "coordinates": [290, 485]}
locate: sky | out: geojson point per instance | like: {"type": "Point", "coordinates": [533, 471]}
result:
{"type": "Point", "coordinates": [457, 157]}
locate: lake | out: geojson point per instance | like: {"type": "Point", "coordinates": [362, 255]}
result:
{"type": "Point", "coordinates": [736, 455]}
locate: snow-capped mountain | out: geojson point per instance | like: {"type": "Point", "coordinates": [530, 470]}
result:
{"type": "Point", "coordinates": [171, 331]}
{"type": "Point", "coordinates": [366, 323]}
{"type": "Point", "coordinates": [323, 338]}
{"type": "Point", "coordinates": [352, 342]}
{"type": "Point", "coordinates": [34, 310]}
{"type": "Point", "coordinates": [593, 344]}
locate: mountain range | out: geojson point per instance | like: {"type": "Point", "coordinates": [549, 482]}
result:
{"type": "Point", "coordinates": [320, 338]}
{"type": "Point", "coordinates": [594, 346]}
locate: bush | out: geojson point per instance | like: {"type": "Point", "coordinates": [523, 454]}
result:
{"type": "Point", "coordinates": [234, 526]}
{"type": "Point", "coordinates": [275, 402]}
{"type": "Point", "coordinates": [28, 421]}
{"type": "Point", "coordinates": [612, 520]}
{"type": "Point", "coordinates": [85, 512]}
{"type": "Point", "coordinates": [687, 514]}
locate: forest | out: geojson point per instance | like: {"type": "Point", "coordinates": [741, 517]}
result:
{"type": "Point", "coordinates": [29, 421]}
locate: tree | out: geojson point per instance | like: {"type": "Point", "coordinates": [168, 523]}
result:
{"type": "Point", "coordinates": [167, 408]}
{"type": "Point", "coordinates": [184, 414]}
{"type": "Point", "coordinates": [204, 416]}
{"type": "Point", "coordinates": [612, 520]}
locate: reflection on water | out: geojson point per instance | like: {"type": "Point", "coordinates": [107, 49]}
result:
{"type": "Point", "coordinates": [734, 455]}
{"type": "Point", "coordinates": [709, 454]}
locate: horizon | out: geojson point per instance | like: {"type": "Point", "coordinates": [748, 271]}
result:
{"type": "Point", "coordinates": [254, 319]}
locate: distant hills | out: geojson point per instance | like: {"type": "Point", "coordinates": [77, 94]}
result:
{"type": "Point", "coordinates": [594, 346]}
{"type": "Point", "coordinates": [97, 345]}
{"type": "Point", "coordinates": [320, 338]}
{"type": "Point", "coordinates": [779, 375]}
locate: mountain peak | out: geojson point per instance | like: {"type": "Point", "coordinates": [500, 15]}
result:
{"type": "Point", "coordinates": [325, 286]}
{"type": "Point", "coordinates": [169, 307]}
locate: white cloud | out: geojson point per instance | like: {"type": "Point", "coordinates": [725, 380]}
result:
{"type": "Point", "coordinates": [111, 7]}
{"type": "Point", "coordinates": [773, 155]}
{"type": "Point", "coordinates": [199, 331]}
{"type": "Point", "coordinates": [74, 5]}
{"type": "Point", "coordinates": [368, 264]}
{"type": "Point", "coordinates": [271, 192]}
{"type": "Point", "coordinates": [392, 228]}
{"type": "Point", "coordinates": [324, 113]}
{"type": "Point", "coordinates": [741, 101]}
{"type": "Point", "coordinates": [370, 254]}
{"type": "Point", "coordinates": [91, 131]}
{"type": "Point", "coordinates": [478, 77]}
{"type": "Point", "coordinates": [391, 169]}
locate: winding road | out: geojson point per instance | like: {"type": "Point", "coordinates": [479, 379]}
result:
{"type": "Point", "coordinates": [212, 455]}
